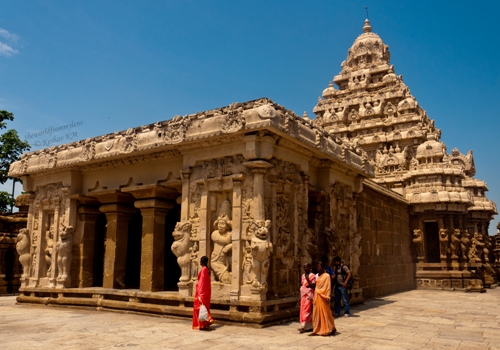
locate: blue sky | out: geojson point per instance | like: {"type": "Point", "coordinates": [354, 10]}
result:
{"type": "Point", "coordinates": [112, 65]}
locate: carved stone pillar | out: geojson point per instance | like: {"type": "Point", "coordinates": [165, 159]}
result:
{"type": "Point", "coordinates": [258, 168]}
{"type": "Point", "coordinates": [115, 256]}
{"type": "Point", "coordinates": [87, 215]}
{"type": "Point", "coordinates": [153, 243]}
{"type": "Point", "coordinates": [154, 201]}
{"type": "Point", "coordinates": [236, 239]}
{"type": "Point", "coordinates": [118, 209]}
{"type": "Point", "coordinates": [260, 242]}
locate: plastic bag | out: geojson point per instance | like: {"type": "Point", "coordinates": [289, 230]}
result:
{"type": "Point", "coordinates": [203, 314]}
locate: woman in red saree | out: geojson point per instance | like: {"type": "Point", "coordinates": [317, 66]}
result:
{"type": "Point", "coordinates": [306, 299]}
{"type": "Point", "coordinates": [323, 323]}
{"type": "Point", "coordinates": [202, 295]}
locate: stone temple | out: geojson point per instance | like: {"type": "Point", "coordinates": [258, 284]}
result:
{"type": "Point", "coordinates": [120, 221]}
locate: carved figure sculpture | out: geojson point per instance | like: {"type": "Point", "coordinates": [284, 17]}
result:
{"type": "Point", "coordinates": [248, 264]}
{"type": "Point", "coordinates": [476, 249]}
{"type": "Point", "coordinates": [418, 240]}
{"type": "Point", "coordinates": [455, 243]}
{"type": "Point", "coordinates": [193, 252]}
{"type": "Point", "coordinates": [64, 249]}
{"type": "Point", "coordinates": [481, 248]}
{"type": "Point", "coordinates": [465, 244]}
{"type": "Point", "coordinates": [261, 251]}
{"type": "Point", "coordinates": [443, 242]}
{"type": "Point", "coordinates": [23, 249]}
{"type": "Point", "coordinates": [180, 248]}
{"type": "Point", "coordinates": [221, 255]}
{"type": "Point", "coordinates": [487, 249]}
{"type": "Point", "coordinates": [49, 238]}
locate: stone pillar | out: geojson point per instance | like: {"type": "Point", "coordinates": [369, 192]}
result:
{"type": "Point", "coordinates": [115, 256]}
{"type": "Point", "coordinates": [154, 201]}
{"type": "Point", "coordinates": [87, 215]}
{"type": "Point", "coordinates": [153, 242]}
{"type": "Point", "coordinates": [261, 231]}
{"type": "Point", "coordinates": [236, 239]}
{"type": "Point", "coordinates": [258, 168]}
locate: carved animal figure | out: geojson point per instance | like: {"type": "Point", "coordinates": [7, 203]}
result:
{"type": "Point", "coordinates": [64, 249]}
{"type": "Point", "coordinates": [23, 249]}
{"type": "Point", "coordinates": [181, 248]}
{"type": "Point", "coordinates": [261, 251]}
{"type": "Point", "coordinates": [418, 240]}
{"type": "Point", "coordinates": [443, 242]}
{"type": "Point", "coordinates": [455, 243]}
{"type": "Point", "coordinates": [465, 244]}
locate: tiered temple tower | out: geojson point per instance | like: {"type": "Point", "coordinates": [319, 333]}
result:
{"type": "Point", "coordinates": [371, 108]}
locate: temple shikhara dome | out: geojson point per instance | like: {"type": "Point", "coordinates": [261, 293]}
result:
{"type": "Point", "coordinates": [260, 191]}
{"type": "Point", "coordinates": [372, 109]}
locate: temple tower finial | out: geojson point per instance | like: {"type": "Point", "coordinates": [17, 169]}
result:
{"type": "Point", "coordinates": [367, 28]}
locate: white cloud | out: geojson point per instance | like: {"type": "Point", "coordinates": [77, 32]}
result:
{"type": "Point", "coordinates": [7, 45]}
{"type": "Point", "coordinates": [6, 50]}
{"type": "Point", "coordinates": [9, 36]}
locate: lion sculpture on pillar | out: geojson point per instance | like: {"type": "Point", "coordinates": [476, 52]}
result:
{"type": "Point", "coordinates": [23, 249]}
{"type": "Point", "coordinates": [443, 242]}
{"type": "Point", "coordinates": [181, 247]}
{"type": "Point", "coordinates": [261, 251]}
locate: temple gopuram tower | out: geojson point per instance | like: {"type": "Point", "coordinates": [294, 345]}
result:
{"type": "Point", "coordinates": [371, 108]}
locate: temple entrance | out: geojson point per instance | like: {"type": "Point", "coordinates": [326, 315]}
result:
{"type": "Point", "coordinates": [99, 249]}
{"type": "Point", "coordinates": [432, 242]}
{"type": "Point", "coordinates": [133, 262]}
{"type": "Point", "coordinates": [172, 271]}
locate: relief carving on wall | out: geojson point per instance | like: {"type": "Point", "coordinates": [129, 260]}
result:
{"type": "Point", "coordinates": [129, 141]}
{"type": "Point", "coordinates": [64, 253]}
{"type": "Point", "coordinates": [233, 120]}
{"type": "Point", "coordinates": [175, 131]}
{"type": "Point", "coordinates": [222, 238]}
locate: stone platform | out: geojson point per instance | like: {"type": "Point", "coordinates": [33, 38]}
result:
{"type": "Point", "coordinates": [248, 313]}
{"type": "Point", "coordinates": [419, 319]}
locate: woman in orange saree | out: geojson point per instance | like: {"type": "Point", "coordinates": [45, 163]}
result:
{"type": "Point", "coordinates": [306, 297]}
{"type": "Point", "coordinates": [323, 323]}
{"type": "Point", "coordinates": [202, 295]}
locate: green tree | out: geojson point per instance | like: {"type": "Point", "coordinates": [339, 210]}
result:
{"type": "Point", "coordinates": [11, 148]}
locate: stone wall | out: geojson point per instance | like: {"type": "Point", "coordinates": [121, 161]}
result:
{"type": "Point", "coordinates": [387, 263]}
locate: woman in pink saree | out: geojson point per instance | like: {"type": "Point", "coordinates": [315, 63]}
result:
{"type": "Point", "coordinates": [202, 295]}
{"type": "Point", "coordinates": [306, 299]}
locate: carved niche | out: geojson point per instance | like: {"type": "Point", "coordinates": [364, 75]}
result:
{"type": "Point", "coordinates": [222, 244]}
{"type": "Point", "coordinates": [50, 214]}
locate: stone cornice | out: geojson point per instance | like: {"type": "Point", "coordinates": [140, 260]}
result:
{"type": "Point", "coordinates": [168, 138]}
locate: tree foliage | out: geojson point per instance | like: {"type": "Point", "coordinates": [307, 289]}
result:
{"type": "Point", "coordinates": [11, 146]}
{"type": "Point", "coordinates": [6, 202]}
